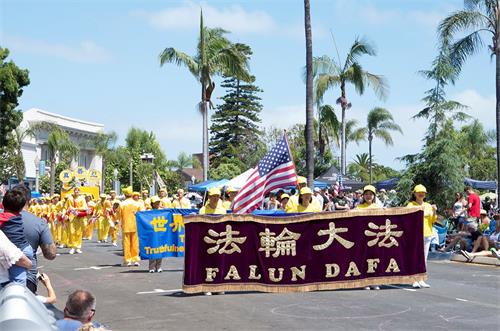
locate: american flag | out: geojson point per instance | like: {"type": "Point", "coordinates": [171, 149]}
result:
{"type": "Point", "coordinates": [275, 170]}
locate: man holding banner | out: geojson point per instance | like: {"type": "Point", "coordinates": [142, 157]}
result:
{"type": "Point", "coordinates": [128, 209]}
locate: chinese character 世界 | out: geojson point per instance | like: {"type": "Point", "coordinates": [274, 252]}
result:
{"type": "Point", "coordinates": [386, 232]}
{"type": "Point", "coordinates": [178, 223]}
{"type": "Point", "coordinates": [332, 233]}
{"type": "Point", "coordinates": [158, 224]}
{"type": "Point", "coordinates": [284, 244]}
{"type": "Point", "coordinates": [227, 238]}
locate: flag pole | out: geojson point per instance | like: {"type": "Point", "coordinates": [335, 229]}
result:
{"type": "Point", "coordinates": [291, 157]}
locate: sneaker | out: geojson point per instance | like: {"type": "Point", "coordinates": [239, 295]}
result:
{"type": "Point", "coordinates": [366, 288]}
{"type": "Point", "coordinates": [129, 264]}
{"type": "Point", "coordinates": [495, 253]}
{"type": "Point", "coordinates": [416, 285]}
{"type": "Point", "coordinates": [467, 256]}
{"type": "Point", "coordinates": [98, 241]}
{"type": "Point", "coordinates": [72, 251]}
{"type": "Point", "coordinates": [423, 284]}
{"type": "Point", "coordinates": [115, 244]}
{"type": "Point", "coordinates": [78, 251]}
{"type": "Point", "coordinates": [61, 246]}
{"type": "Point", "coordinates": [151, 271]}
{"type": "Point", "coordinates": [376, 287]}
{"type": "Point", "coordinates": [159, 270]}
{"type": "Point", "coordinates": [208, 293]}
{"type": "Point", "coordinates": [105, 241]}
{"type": "Point", "coordinates": [137, 264]}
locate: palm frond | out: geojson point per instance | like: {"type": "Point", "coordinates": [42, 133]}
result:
{"type": "Point", "coordinates": [465, 47]}
{"type": "Point", "coordinates": [360, 47]}
{"type": "Point", "coordinates": [171, 55]}
{"type": "Point", "coordinates": [385, 135]}
{"type": "Point", "coordinates": [462, 20]}
{"type": "Point", "coordinates": [354, 75]}
{"type": "Point", "coordinates": [378, 83]}
{"type": "Point", "coordinates": [323, 83]}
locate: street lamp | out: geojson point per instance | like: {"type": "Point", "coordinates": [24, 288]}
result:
{"type": "Point", "coordinates": [37, 180]}
{"type": "Point", "coordinates": [149, 158]}
{"type": "Point", "coordinates": [116, 186]}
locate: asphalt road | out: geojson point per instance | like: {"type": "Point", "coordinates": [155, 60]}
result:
{"type": "Point", "coordinates": [462, 296]}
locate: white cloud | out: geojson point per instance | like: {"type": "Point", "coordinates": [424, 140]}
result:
{"type": "Point", "coordinates": [233, 18]}
{"type": "Point", "coordinates": [480, 107]}
{"type": "Point", "coordinates": [83, 52]}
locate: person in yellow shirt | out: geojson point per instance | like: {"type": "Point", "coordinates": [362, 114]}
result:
{"type": "Point", "coordinates": [77, 208]}
{"type": "Point", "coordinates": [181, 202]}
{"type": "Point", "coordinates": [90, 221]}
{"type": "Point", "coordinates": [293, 202]}
{"type": "Point", "coordinates": [430, 217]}
{"type": "Point", "coordinates": [284, 198]}
{"type": "Point", "coordinates": [369, 198]}
{"type": "Point", "coordinates": [231, 194]}
{"type": "Point", "coordinates": [43, 211]}
{"type": "Point", "coordinates": [32, 206]}
{"type": "Point", "coordinates": [112, 197]}
{"type": "Point", "coordinates": [115, 224]}
{"type": "Point", "coordinates": [212, 206]}
{"type": "Point", "coordinates": [369, 201]}
{"type": "Point", "coordinates": [64, 221]}
{"type": "Point", "coordinates": [305, 202]}
{"type": "Point", "coordinates": [102, 212]}
{"type": "Point", "coordinates": [128, 209]}
{"type": "Point", "coordinates": [58, 214]}
{"type": "Point", "coordinates": [53, 215]}
{"type": "Point", "coordinates": [145, 200]}
{"type": "Point", "coordinates": [164, 200]}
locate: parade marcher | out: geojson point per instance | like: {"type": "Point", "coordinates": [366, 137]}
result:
{"type": "Point", "coordinates": [273, 203]}
{"type": "Point", "coordinates": [128, 209]}
{"type": "Point", "coordinates": [284, 198]}
{"type": "Point", "coordinates": [155, 264]}
{"type": "Point", "coordinates": [164, 200]}
{"type": "Point", "coordinates": [181, 202]}
{"type": "Point", "coordinates": [212, 206]}
{"type": "Point", "coordinates": [65, 238]}
{"type": "Point", "coordinates": [305, 202]}
{"type": "Point", "coordinates": [112, 197]}
{"type": "Point", "coordinates": [369, 198]}
{"type": "Point", "coordinates": [430, 216]}
{"type": "Point", "coordinates": [145, 200]}
{"type": "Point", "coordinates": [292, 204]}
{"type": "Point", "coordinates": [114, 225]}
{"type": "Point", "coordinates": [52, 217]}
{"type": "Point", "coordinates": [77, 209]}
{"type": "Point", "coordinates": [102, 212]}
{"type": "Point", "coordinates": [58, 221]}
{"type": "Point", "coordinates": [369, 201]}
{"type": "Point", "coordinates": [89, 220]}
{"type": "Point", "coordinates": [231, 194]}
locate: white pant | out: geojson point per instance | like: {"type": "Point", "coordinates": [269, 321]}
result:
{"type": "Point", "coordinates": [427, 245]}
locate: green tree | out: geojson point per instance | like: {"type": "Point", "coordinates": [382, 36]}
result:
{"type": "Point", "coordinates": [328, 127]}
{"type": "Point", "coordinates": [225, 170]}
{"type": "Point", "coordinates": [216, 55]}
{"type": "Point", "coordinates": [478, 151]}
{"type": "Point", "coordinates": [330, 73]}
{"type": "Point", "coordinates": [12, 81]}
{"type": "Point", "coordinates": [360, 167]}
{"type": "Point", "coordinates": [102, 143]}
{"type": "Point", "coordinates": [235, 130]}
{"type": "Point", "coordinates": [60, 146]}
{"type": "Point", "coordinates": [482, 17]}
{"type": "Point", "coordinates": [183, 161]}
{"type": "Point", "coordinates": [379, 123]}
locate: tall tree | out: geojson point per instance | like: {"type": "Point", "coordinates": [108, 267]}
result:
{"type": "Point", "coordinates": [102, 144]}
{"type": "Point", "coordinates": [379, 123]}
{"type": "Point", "coordinates": [309, 96]}
{"type": "Point", "coordinates": [332, 73]}
{"type": "Point", "coordinates": [235, 123]}
{"type": "Point", "coordinates": [482, 17]}
{"type": "Point", "coordinates": [216, 55]}
{"type": "Point", "coordinates": [328, 127]}
{"type": "Point", "coordinates": [12, 81]}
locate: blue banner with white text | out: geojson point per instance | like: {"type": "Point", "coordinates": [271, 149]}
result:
{"type": "Point", "coordinates": [161, 232]}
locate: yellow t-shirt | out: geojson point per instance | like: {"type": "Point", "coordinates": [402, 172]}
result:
{"type": "Point", "coordinates": [365, 205]}
{"type": "Point", "coordinates": [312, 208]}
{"type": "Point", "coordinates": [182, 204]}
{"type": "Point", "coordinates": [127, 209]}
{"type": "Point", "coordinates": [293, 204]}
{"type": "Point", "coordinates": [219, 210]}
{"type": "Point", "coordinates": [165, 203]}
{"type": "Point", "coordinates": [429, 217]}
{"type": "Point", "coordinates": [102, 209]}
{"type": "Point", "coordinates": [226, 204]}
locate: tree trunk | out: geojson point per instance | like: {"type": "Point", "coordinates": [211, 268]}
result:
{"type": "Point", "coordinates": [309, 97]}
{"type": "Point", "coordinates": [204, 112]}
{"type": "Point", "coordinates": [370, 138]}
{"type": "Point", "coordinates": [342, 133]}
{"type": "Point", "coordinates": [103, 168]}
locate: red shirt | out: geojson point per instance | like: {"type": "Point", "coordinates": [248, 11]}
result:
{"type": "Point", "coordinates": [474, 205]}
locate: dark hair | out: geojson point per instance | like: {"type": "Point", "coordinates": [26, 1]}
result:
{"type": "Point", "coordinates": [23, 188]}
{"type": "Point", "coordinates": [14, 200]}
{"type": "Point", "coordinates": [460, 195]}
{"type": "Point", "coordinates": [467, 188]}
{"type": "Point", "coordinates": [79, 305]}
{"type": "Point", "coordinates": [300, 199]}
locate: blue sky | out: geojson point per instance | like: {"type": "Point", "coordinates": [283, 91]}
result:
{"type": "Point", "coordinates": [98, 61]}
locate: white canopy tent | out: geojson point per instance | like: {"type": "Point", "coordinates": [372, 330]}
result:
{"type": "Point", "coordinates": [240, 180]}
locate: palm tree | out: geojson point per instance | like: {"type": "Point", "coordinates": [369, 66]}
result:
{"type": "Point", "coordinates": [482, 17]}
{"type": "Point", "coordinates": [360, 166]}
{"type": "Point", "coordinates": [59, 144]}
{"type": "Point", "coordinates": [216, 55]}
{"type": "Point", "coordinates": [328, 127]}
{"type": "Point", "coordinates": [379, 123]}
{"type": "Point", "coordinates": [309, 96]}
{"type": "Point", "coordinates": [102, 143]}
{"type": "Point", "coordinates": [331, 73]}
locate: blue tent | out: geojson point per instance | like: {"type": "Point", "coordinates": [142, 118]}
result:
{"type": "Point", "coordinates": [317, 183]}
{"type": "Point", "coordinates": [387, 184]}
{"type": "Point", "coordinates": [206, 185]}
{"type": "Point", "coordinates": [481, 185]}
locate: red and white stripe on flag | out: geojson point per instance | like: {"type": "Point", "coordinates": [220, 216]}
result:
{"type": "Point", "coordinates": [274, 171]}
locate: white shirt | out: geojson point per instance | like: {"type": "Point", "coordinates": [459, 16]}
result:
{"type": "Point", "coordinates": [9, 255]}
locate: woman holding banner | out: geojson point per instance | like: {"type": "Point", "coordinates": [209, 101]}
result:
{"type": "Point", "coordinates": [305, 203]}
{"type": "Point", "coordinates": [430, 216]}
{"type": "Point", "coordinates": [369, 200]}
{"type": "Point", "coordinates": [155, 264]}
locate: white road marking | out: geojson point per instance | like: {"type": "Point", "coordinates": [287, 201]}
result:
{"type": "Point", "coordinates": [159, 290]}
{"type": "Point", "coordinates": [464, 300]}
{"type": "Point", "coordinates": [402, 288]}
{"type": "Point", "coordinates": [93, 268]}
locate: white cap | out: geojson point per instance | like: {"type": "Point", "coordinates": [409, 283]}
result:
{"type": "Point", "coordinates": [317, 189]}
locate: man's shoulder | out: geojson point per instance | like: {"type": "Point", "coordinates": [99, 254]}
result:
{"type": "Point", "coordinates": [67, 324]}
{"type": "Point", "coordinates": [29, 218]}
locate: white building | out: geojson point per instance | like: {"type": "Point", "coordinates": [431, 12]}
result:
{"type": "Point", "coordinates": [35, 149]}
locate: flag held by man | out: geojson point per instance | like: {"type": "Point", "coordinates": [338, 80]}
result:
{"type": "Point", "coordinates": [275, 170]}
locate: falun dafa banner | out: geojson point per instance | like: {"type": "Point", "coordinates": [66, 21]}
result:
{"type": "Point", "coordinates": [161, 232]}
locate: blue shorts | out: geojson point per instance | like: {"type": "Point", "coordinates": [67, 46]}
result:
{"type": "Point", "coordinates": [18, 274]}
